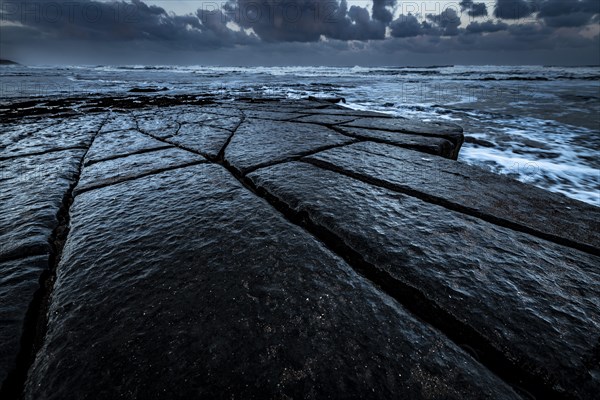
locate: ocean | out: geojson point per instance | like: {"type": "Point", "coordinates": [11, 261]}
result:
{"type": "Point", "coordinates": [538, 124]}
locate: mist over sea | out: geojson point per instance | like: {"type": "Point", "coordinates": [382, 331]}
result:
{"type": "Point", "coordinates": [540, 125]}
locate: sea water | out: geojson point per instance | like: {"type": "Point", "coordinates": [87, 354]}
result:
{"type": "Point", "coordinates": [539, 124]}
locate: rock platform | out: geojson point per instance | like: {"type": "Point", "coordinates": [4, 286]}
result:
{"type": "Point", "coordinates": [194, 247]}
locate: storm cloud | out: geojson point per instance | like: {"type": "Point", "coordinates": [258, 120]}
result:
{"type": "Point", "coordinates": [487, 26]}
{"type": "Point", "coordinates": [474, 9]}
{"type": "Point", "coordinates": [308, 20]}
{"type": "Point", "coordinates": [560, 13]}
{"type": "Point", "coordinates": [330, 27]}
{"type": "Point", "coordinates": [96, 21]}
{"type": "Point", "coordinates": [513, 9]}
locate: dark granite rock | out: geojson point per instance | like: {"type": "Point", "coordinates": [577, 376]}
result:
{"type": "Point", "coordinates": [18, 283]}
{"type": "Point", "coordinates": [126, 168]}
{"type": "Point", "coordinates": [533, 302]}
{"type": "Point", "coordinates": [157, 123]}
{"type": "Point", "coordinates": [223, 109]}
{"type": "Point", "coordinates": [425, 144]}
{"type": "Point", "coordinates": [260, 142]}
{"type": "Point", "coordinates": [120, 144]}
{"type": "Point", "coordinates": [333, 100]}
{"type": "Point", "coordinates": [451, 132]}
{"type": "Point", "coordinates": [369, 270]}
{"type": "Point", "coordinates": [228, 123]}
{"type": "Point", "coordinates": [206, 291]}
{"type": "Point", "coordinates": [193, 115]}
{"type": "Point", "coordinates": [271, 114]}
{"type": "Point", "coordinates": [68, 134]}
{"type": "Point", "coordinates": [207, 140]}
{"type": "Point", "coordinates": [147, 89]}
{"type": "Point", "coordinates": [326, 119]}
{"type": "Point", "coordinates": [119, 122]}
{"type": "Point", "coordinates": [347, 112]}
{"type": "Point", "coordinates": [472, 190]}
{"type": "Point", "coordinates": [31, 194]}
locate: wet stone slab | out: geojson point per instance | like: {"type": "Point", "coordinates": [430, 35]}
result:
{"type": "Point", "coordinates": [533, 301]}
{"type": "Point", "coordinates": [31, 193]}
{"type": "Point", "coordinates": [119, 122]}
{"type": "Point", "coordinates": [260, 142]}
{"type": "Point", "coordinates": [126, 168]}
{"type": "Point", "coordinates": [325, 119]}
{"type": "Point", "coordinates": [274, 115]}
{"type": "Point", "coordinates": [204, 139]}
{"type": "Point", "coordinates": [19, 280]}
{"type": "Point", "coordinates": [116, 144]}
{"type": "Point", "coordinates": [158, 124]}
{"type": "Point", "coordinates": [451, 132]}
{"type": "Point", "coordinates": [277, 248]}
{"type": "Point", "coordinates": [470, 189]}
{"type": "Point", "coordinates": [431, 145]}
{"type": "Point", "coordinates": [33, 139]}
{"type": "Point", "coordinates": [276, 314]}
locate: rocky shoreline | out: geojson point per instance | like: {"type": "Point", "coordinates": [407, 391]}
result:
{"type": "Point", "coordinates": [187, 246]}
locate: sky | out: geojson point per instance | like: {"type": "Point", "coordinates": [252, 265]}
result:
{"type": "Point", "coordinates": [301, 32]}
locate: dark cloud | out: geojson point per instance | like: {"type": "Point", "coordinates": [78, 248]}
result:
{"type": "Point", "coordinates": [574, 13]}
{"type": "Point", "coordinates": [307, 20]}
{"type": "Point", "coordinates": [486, 27]}
{"type": "Point", "coordinates": [381, 10]}
{"type": "Point", "coordinates": [474, 9]}
{"type": "Point", "coordinates": [513, 9]}
{"type": "Point", "coordinates": [97, 21]}
{"type": "Point", "coordinates": [321, 28]}
{"type": "Point", "coordinates": [448, 21]}
{"type": "Point", "coordinates": [406, 26]}
{"type": "Point", "coordinates": [444, 24]}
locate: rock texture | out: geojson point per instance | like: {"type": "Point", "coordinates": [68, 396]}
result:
{"type": "Point", "coordinates": [231, 299]}
{"type": "Point", "coordinates": [186, 247]}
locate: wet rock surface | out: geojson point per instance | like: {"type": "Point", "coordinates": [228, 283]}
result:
{"type": "Point", "coordinates": [258, 143]}
{"type": "Point", "coordinates": [122, 169]}
{"type": "Point", "coordinates": [31, 193]}
{"type": "Point", "coordinates": [432, 145]}
{"type": "Point", "coordinates": [533, 301]}
{"type": "Point", "coordinates": [451, 132]}
{"type": "Point", "coordinates": [470, 190]}
{"type": "Point", "coordinates": [248, 304]}
{"type": "Point", "coordinates": [18, 284]}
{"type": "Point", "coordinates": [203, 247]}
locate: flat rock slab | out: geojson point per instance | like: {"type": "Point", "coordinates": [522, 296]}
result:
{"type": "Point", "coordinates": [31, 193]}
{"type": "Point", "coordinates": [43, 138]}
{"type": "Point", "coordinates": [117, 144]}
{"type": "Point", "coordinates": [122, 169]}
{"type": "Point", "coordinates": [247, 306]}
{"type": "Point", "coordinates": [451, 132]}
{"type": "Point", "coordinates": [19, 280]}
{"type": "Point", "coordinates": [158, 124]}
{"type": "Point", "coordinates": [431, 145]}
{"type": "Point", "coordinates": [326, 119]}
{"type": "Point", "coordinates": [274, 115]}
{"type": "Point", "coordinates": [119, 122]}
{"type": "Point", "coordinates": [277, 248]}
{"type": "Point", "coordinates": [533, 301]}
{"type": "Point", "coordinates": [259, 142]}
{"type": "Point", "coordinates": [228, 123]}
{"type": "Point", "coordinates": [204, 139]}
{"type": "Point", "coordinates": [469, 189]}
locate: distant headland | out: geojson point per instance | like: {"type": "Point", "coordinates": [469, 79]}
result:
{"type": "Point", "coordinates": [8, 62]}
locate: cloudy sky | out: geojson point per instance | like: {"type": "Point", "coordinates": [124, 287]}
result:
{"type": "Point", "coordinates": [301, 32]}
